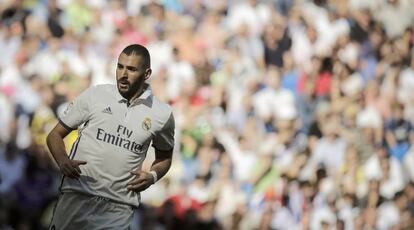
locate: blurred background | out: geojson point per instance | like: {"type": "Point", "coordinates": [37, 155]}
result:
{"type": "Point", "coordinates": [290, 114]}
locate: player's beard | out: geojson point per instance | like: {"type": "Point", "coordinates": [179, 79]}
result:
{"type": "Point", "coordinates": [132, 88]}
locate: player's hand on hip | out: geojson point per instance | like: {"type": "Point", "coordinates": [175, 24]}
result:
{"type": "Point", "coordinates": [141, 181]}
{"type": "Point", "coordinates": [70, 168]}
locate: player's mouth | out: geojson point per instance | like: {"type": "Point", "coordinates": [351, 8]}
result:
{"type": "Point", "coordinates": [123, 84]}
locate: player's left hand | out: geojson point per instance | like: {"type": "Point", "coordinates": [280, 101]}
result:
{"type": "Point", "coordinates": [141, 181]}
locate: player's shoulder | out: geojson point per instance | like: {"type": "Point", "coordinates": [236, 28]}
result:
{"type": "Point", "coordinates": [103, 89]}
{"type": "Point", "coordinates": [163, 109]}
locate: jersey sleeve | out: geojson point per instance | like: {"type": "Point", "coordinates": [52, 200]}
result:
{"type": "Point", "coordinates": [78, 111]}
{"type": "Point", "coordinates": [164, 139]}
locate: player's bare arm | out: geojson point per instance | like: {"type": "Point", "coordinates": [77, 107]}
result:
{"type": "Point", "coordinates": [160, 166]}
{"type": "Point", "coordinates": [68, 167]}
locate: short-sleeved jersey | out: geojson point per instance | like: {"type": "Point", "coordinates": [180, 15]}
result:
{"type": "Point", "coordinates": [114, 137]}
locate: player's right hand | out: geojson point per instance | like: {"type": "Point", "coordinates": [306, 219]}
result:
{"type": "Point", "coordinates": [70, 168]}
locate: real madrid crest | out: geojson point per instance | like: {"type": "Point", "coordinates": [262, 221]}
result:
{"type": "Point", "coordinates": [146, 124]}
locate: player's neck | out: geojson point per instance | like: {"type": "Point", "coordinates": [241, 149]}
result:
{"type": "Point", "coordinates": [137, 95]}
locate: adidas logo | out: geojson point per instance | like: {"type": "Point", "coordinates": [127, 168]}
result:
{"type": "Point", "coordinates": [107, 110]}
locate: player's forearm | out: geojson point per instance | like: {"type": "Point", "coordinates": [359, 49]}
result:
{"type": "Point", "coordinates": [161, 167]}
{"type": "Point", "coordinates": [57, 147]}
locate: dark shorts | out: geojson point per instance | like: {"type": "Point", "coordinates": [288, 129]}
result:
{"type": "Point", "coordinates": [79, 211]}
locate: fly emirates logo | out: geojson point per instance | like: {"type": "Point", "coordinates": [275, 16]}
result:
{"type": "Point", "coordinates": [120, 139]}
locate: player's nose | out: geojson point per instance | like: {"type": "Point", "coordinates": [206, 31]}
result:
{"type": "Point", "coordinates": [124, 72]}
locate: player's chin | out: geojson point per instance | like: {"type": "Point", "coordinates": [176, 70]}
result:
{"type": "Point", "coordinates": [124, 93]}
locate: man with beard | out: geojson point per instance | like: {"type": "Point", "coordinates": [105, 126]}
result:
{"type": "Point", "coordinates": [102, 176]}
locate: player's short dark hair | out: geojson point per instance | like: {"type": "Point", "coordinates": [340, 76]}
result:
{"type": "Point", "coordinates": [139, 50]}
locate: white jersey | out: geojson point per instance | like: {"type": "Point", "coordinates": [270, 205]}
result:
{"type": "Point", "coordinates": [114, 139]}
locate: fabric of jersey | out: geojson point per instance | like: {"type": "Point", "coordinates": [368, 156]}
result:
{"type": "Point", "coordinates": [114, 136]}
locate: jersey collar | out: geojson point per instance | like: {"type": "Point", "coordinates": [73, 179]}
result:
{"type": "Point", "coordinates": [145, 98]}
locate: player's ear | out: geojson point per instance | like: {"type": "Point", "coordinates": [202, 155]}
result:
{"type": "Point", "coordinates": [148, 73]}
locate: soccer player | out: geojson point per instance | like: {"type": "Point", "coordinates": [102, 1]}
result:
{"type": "Point", "coordinates": [102, 176]}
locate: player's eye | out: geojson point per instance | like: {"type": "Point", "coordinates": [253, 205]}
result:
{"type": "Point", "coordinates": [120, 66]}
{"type": "Point", "coordinates": [132, 69]}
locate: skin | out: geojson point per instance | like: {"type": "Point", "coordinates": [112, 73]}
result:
{"type": "Point", "coordinates": [131, 74]}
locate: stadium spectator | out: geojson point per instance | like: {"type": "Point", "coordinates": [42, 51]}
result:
{"type": "Point", "coordinates": [292, 112]}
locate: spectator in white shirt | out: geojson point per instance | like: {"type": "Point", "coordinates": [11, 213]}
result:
{"type": "Point", "coordinates": [330, 149]}
{"type": "Point", "coordinates": [386, 169]}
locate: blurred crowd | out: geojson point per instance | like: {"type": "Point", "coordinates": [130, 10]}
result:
{"type": "Point", "coordinates": [290, 114]}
